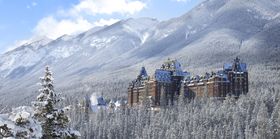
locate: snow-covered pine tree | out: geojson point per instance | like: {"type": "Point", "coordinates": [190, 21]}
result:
{"type": "Point", "coordinates": [182, 95]}
{"type": "Point", "coordinates": [163, 97]}
{"type": "Point", "coordinates": [274, 122]}
{"type": "Point", "coordinates": [54, 121]}
{"type": "Point", "coordinates": [262, 122]}
{"type": "Point", "coordinates": [20, 124]}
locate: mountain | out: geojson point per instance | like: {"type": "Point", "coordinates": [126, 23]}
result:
{"type": "Point", "coordinates": [212, 33]}
{"type": "Point", "coordinates": [217, 29]}
{"type": "Point", "coordinates": [72, 56]}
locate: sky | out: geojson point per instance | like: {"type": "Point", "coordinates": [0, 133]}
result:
{"type": "Point", "coordinates": [23, 21]}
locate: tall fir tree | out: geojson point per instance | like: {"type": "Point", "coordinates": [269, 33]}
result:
{"type": "Point", "coordinates": [54, 121]}
{"type": "Point", "coordinates": [262, 122]}
{"type": "Point", "coordinates": [182, 95]}
{"type": "Point", "coordinates": [163, 97]}
{"type": "Point", "coordinates": [274, 122]}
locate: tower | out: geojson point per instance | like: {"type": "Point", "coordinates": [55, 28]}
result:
{"type": "Point", "coordinates": [238, 77]}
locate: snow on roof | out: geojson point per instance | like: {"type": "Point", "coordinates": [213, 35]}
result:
{"type": "Point", "coordinates": [171, 65]}
{"type": "Point", "coordinates": [174, 66]}
{"type": "Point", "coordinates": [94, 100]}
{"type": "Point", "coordinates": [118, 103]}
{"type": "Point", "coordinates": [207, 76]}
{"type": "Point", "coordinates": [97, 103]}
{"type": "Point", "coordinates": [179, 73]}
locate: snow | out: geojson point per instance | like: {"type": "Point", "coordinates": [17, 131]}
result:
{"type": "Point", "coordinates": [24, 114]}
{"type": "Point", "coordinates": [187, 35]}
{"type": "Point", "coordinates": [65, 37]}
{"type": "Point", "coordinates": [212, 28]}
{"type": "Point", "coordinates": [97, 103]}
{"type": "Point", "coordinates": [3, 118]}
{"type": "Point", "coordinates": [50, 116]}
{"type": "Point", "coordinates": [21, 112]}
{"type": "Point", "coordinates": [76, 133]}
{"type": "Point", "coordinates": [145, 37]}
{"type": "Point", "coordinates": [118, 104]}
{"type": "Point", "coordinates": [93, 99]}
{"type": "Point", "coordinates": [63, 52]}
{"type": "Point", "coordinates": [100, 43]}
{"type": "Point", "coordinates": [67, 108]}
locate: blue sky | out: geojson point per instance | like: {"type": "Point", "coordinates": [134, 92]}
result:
{"type": "Point", "coordinates": [26, 20]}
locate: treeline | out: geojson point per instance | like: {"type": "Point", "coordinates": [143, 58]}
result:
{"type": "Point", "coordinates": [255, 115]}
{"type": "Point", "coordinates": [44, 119]}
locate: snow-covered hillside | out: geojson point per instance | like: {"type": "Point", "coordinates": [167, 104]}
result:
{"type": "Point", "coordinates": [213, 32]}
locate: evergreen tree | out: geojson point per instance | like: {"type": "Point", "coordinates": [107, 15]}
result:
{"type": "Point", "coordinates": [20, 124]}
{"type": "Point", "coordinates": [182, 95]}
{"type": "Point", "coordinates": [53, 120]}
{"type": "Point", "coordinates": [262, 121]}
{"type": "Point", "coordinates": [274, 123]}
{"type": "Point", "coordinates": [163, 97]}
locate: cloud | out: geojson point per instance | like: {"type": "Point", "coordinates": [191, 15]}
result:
{"type": "Point", "coordinates": [82, 16]}
{"type": "Point", "coordinates": [53, 28]}
{"type": "Point", "coordinates": [33, 4]}
{"type": "Point", "coordinates": [182, 0]}
{"type": "Point", "coordinates": [103, 22]}
{"type": "Point", "coordinates": [93, 7]}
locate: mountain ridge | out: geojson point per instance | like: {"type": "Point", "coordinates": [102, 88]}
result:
{"type": "Point", "coordinates": [213, 32]}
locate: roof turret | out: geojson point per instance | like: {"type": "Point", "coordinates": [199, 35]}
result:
{"type": "Point", "coordinates": [143, 73]}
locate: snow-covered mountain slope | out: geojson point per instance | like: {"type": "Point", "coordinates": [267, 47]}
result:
{"type": "Point", "coordinates": [210, 34]}
{"type": "Point", "coordinates": [71, 56]}
{"type": "Point", "coordinates": [237, 19]}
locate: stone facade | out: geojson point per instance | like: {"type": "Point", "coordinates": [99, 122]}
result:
{"type": "Point", "coordinates": [170, 81]}
{"type": "Point", "coordinates": [160, 89]}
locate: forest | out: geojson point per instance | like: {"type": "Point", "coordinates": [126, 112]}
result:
{"type": "Point", "coordinates": [254, 115]}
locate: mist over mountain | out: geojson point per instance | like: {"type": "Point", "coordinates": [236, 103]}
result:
{"type": "Point", "coordinates": [212, 33]}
